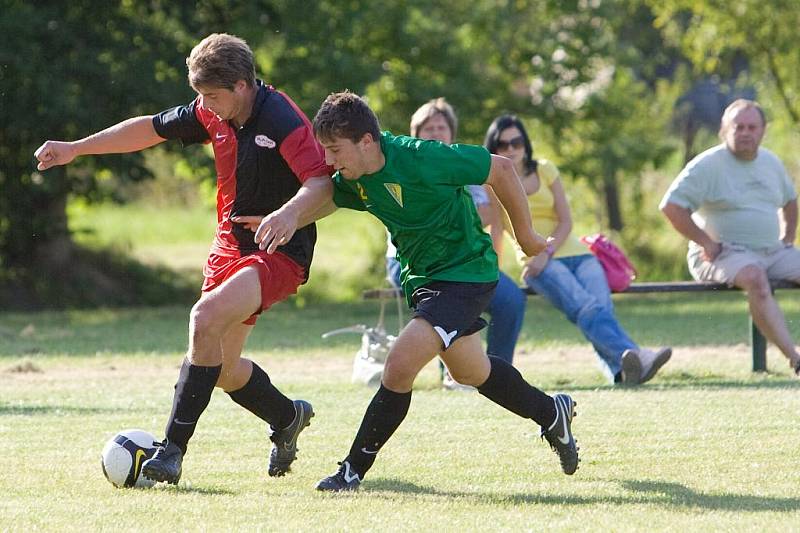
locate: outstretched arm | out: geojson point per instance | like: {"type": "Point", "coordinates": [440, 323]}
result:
{"type": "Point", "coordinates": [130, 135]}
{"type": "Point", "coordinates": [312, 201]}
{"type": "Point", "coordinates": [506, 185]}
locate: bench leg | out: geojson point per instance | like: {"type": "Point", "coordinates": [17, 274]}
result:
{"type": "Point", "coordinates": [759, 345]}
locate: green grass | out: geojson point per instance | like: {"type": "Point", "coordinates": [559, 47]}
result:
{"type": "Point", "coordinates": [706, 446]}
{"type": "Point", "coordinates": [348, 257]}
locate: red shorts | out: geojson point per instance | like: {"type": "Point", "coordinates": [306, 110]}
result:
{"type": "Point", "coordinates": [279, 276]}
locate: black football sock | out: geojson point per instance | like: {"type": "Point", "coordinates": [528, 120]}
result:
{"type": "Point", "coordinates": [506, 387]}
{"type": "Point", "coordinates": [192, 394]}
{"type": "Point", "coordinates": [260, 397]}
{"type": "Point", "coordinates": [384, 415]}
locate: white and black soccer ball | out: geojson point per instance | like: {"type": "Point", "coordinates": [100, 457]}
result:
{"type": "Point", "coordinates": [123, 456]}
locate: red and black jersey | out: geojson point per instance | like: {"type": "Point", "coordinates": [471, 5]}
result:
{"type": "Point", "coordinates": [260, 166]}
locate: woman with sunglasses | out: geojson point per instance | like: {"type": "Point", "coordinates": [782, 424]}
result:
{"type": "Point", "coordinates": [568, 275]}
{"type": "Point", "coordinates": [436, 120]}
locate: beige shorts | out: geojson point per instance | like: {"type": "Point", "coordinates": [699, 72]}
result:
{"type": "Point", "coordinates": [782, 263]}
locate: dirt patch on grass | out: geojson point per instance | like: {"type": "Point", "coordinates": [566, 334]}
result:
{"type": "Point", "coordinates": [24, 367]}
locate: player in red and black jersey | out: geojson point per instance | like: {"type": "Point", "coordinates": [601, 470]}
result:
{"type": "Point", "coordinates": [270, 170]}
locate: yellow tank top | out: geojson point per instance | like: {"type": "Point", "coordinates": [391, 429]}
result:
{"type": "Point", "coordinates": [543, 212]}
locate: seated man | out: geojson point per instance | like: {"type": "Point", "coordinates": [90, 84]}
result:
{"type": "Point", "coordinates": [735, 191]}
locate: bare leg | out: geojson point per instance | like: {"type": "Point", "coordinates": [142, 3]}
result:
{"type": "Point", "coordinates": [236, 370]}
{"type": "Point", "coordinates": [214, 314]}
{"type": "Point", "coordinates": [765, 311]}
{"type": "Point", "coordinates": [467, 362]}
{"type": "Point", "coordinates": [416, 346]}
{"type": "Point", "coordinates": [211, 316]}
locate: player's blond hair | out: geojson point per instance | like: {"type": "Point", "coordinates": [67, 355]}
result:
{"type": "Point", "coordinates": [428, 110]}
{"type": "Point", "coordinates": [220, 60]}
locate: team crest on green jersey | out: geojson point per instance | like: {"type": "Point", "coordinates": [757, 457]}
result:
{"type": "Point", "coordinates": [361, 192]}
{"type": "Point", "coordinates": [396, 192]}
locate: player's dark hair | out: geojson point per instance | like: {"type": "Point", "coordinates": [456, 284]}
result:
{"type": "Point", "coordinates": [220, 60]}
{"type": "Point", "coordinates": [345, 115]}
{"type": "Point", "coordinates": [502, 123]}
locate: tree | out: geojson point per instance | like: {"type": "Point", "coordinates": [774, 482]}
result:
{"type": "Point", "coordinates": [592, 73]}
{"type": "Point", "coordinates": [65, 77]}
{"type": "Point", "coordinates": [711, 32]}
{"type": "Point", "coordinates": [67, 70]}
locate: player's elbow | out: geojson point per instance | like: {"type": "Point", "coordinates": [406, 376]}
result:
{"type": "Point", "coordinates": [502, 168]}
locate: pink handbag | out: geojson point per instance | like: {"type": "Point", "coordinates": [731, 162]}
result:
{"type": "Point", "coordinates": [619, 270]}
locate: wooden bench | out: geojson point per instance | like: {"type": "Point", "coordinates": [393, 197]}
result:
{"type": "Point", "coordinates": [758, 342]}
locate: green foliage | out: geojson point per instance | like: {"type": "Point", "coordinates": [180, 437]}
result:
{"type": "Point", "coordinates": [68, 73]}
{"type": "Point", "coordinates": [595, 81]}
{"type": "Point", "coordinates": [712, 32]}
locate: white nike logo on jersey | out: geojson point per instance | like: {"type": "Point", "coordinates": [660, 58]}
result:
{"type": "Point", "coordinates": [220, 137]}
{"type": "Point", "coordinates": [446, 337]}
{"type": "Point", "coordinates": [348, 477]}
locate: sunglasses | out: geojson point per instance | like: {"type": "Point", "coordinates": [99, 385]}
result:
{"type": "Point", "coordinates": [516, 142]}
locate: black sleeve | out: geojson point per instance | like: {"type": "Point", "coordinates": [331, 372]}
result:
{"type": "Point", "coordinates": [180, 123]}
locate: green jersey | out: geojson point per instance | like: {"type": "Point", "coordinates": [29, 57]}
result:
{"type": "Point", "coordinates": [419, 196]}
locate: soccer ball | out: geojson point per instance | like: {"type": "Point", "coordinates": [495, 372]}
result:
{"type": "Point", "coordinates": [123, 456]}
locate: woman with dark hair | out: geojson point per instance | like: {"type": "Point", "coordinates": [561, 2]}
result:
{"type": "Point", "coordinates": [568, 275]}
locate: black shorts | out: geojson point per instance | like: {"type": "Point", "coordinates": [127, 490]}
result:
{"type": "Point", "coordinates": [453, 308]}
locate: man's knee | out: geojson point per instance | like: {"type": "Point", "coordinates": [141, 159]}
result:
{"type": "Point", "coordinates": [396, 371]}
{"type": "Point", "coordinates": [204, 320]}
{"type": "Point", "coordinates": [753, 279]}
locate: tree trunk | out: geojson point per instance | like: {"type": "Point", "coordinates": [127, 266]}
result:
{"type": "Point", "coordinates": [612, 202]}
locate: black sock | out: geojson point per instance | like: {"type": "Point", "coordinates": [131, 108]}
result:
{"type": "Point", "coordinates": [506, 387]}
{"type": "Point", "coordinates": [384, 415]}
{"type": "Point", "coordinates": [192, 394]}
{"type": "Point", "coordinates": [260, 397]}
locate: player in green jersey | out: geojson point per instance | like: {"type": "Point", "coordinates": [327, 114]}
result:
{"type": "Point", "coordinates": [416, 188]}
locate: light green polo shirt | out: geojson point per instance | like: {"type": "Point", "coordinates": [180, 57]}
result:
{"type": "Point", "coordinates": [734, 201]}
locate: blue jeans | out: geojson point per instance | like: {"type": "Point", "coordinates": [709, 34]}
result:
{"type": "Point", "coordinates": [507, 310]}
{"type": "Point", "coordinates": [577, 286]}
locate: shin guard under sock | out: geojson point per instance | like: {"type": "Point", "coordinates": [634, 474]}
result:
{"type": "Point", "coordinates": [260, 397]}
{"type": "Point", "coordinates": [384, 415]}
{"type": "Point", "coordinates": [192, 394]}
{"type": "Point", "coordinates": [506, 387]}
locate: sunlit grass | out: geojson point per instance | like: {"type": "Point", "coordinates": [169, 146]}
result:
{"type": "Point", "coordinates": [706, 446]}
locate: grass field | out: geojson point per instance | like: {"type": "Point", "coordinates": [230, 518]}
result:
{"type": "Point", "coordinates": [348, 256]}
{"type": "Point", "coordinates": [706, 446]}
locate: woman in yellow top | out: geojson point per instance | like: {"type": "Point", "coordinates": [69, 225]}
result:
{"type": "Point", "coordinates": [568, 275]}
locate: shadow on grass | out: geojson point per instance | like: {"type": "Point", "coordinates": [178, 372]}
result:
{"type": "Point", "coordinates": [32, 410]}
{"type": "Point", "coordinates": [689, 381]}
{"type": "Point", "coordinates": [675, 494]}
{"type": "Point", "coordinates": [658, 492]}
